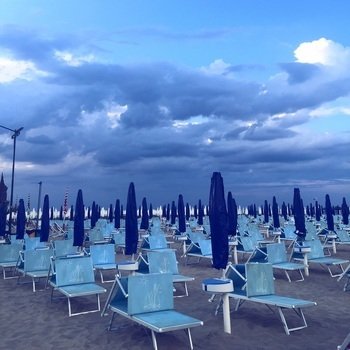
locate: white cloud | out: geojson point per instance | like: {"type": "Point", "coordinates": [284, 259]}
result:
{"type": "Point", "coordinates": [322, 51]}
{"type": "Point", "coordinates": [11, 70]}
{"type": "Point", "coordinates": [218, 67]}
{"type": "Point", "coordinates": [71, 60]}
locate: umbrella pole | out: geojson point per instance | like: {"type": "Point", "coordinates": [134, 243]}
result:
{"type": "Point", "coordinates": [226, 309]}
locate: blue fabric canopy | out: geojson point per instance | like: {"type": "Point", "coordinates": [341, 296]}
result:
{"type": "Point", "coordinates": [45, 221]}
{"type": "Point", "coordinates": [117, 214]}
{"type": "Point", "coordinates": [21, 220]}
{"type": "Point", "coordinates": [345, 212]}
{"type": "Point", "coordinates": [329, 214]}
{"type": "Point", "coordinates": [79, 216]}
{"type": "Point", "coordinates": [131, 227]}
{"type": "Point", "coordinates": [181, 214]}
{"type": "Point", "coordinates": [218, 222]}
{"type": "Point", "coordinates": [299, 216]}
{"type": "Point", "coordinates": [144, 215]}
{"type": "Point", "coordinates": [275, 214]}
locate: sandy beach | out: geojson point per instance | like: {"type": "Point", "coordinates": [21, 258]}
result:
{"type": "Point", "coordinates": [31, 321]}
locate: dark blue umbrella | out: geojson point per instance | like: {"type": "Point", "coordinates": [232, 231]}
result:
{"type": "Point", "coordinates": [45, 221]}
{"type": "Point", "coordinates": [187, 212]}
{"type": "Point", "coordinates": [164, 211]}
{"type": "Point", "coordinates": [168, 212]}
{"type": "Point", "coordinates": [317, 211]}
{"type": "Point", "coordinates": [21, 220]}
{"type": "Point", "coordinates": [144, 215]}
{"type": "Point", "coordinates": [93, 219]}
{"type": "Point", "coordinates": [266, 212]}
{"type": "Point", "coordinates": [173, 213]}
{"type": "Point", "coordinates": [195, 211]}
{"type": "Point", "coordinates": [200, 213]}
{"type": "Point", "coordinates": [150, 211]}
{"type": "Point", "coordinates": [3, 213]}
{"type": "Point", "coordinates": [345, 212]}
{"type": "Point", "coordinates": [121, 211]}
{"type": "Point", "coordinates": [232, 215]}
{"type": "Point", "coordinates": [255, 211]}
{"type": "Point", "coordinates": [284, 211]}
{"type": "Point", "coordinates": [131, 227]}
{"type": "Point", "coordinates": [275, 215]}
{"type": "Point", "coordinates": [218, 222]}
{"type": "Point", "coordinates": [299, 216]}
{"type": "Point", "coordinates": [329, 214]}
{"type": "Point", "coordinates": [181, 213]}
{"type": "Point", "coordinates": [79, 216]}
{"type": "Point", "coordinates": [89, 213]}
{"type": "Point", "coordinates": [117, 214]}
{"type": "Point", "coordinates": [110, 214]}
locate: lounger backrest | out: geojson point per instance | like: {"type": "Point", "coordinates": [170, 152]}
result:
{"type": "Point", "coordinates": [248, 243]}
{"type": "Point", "coordinates": [9, 252]}
{"type": "Point", "coordinates": [276, 253]}
{"type": "Point", "coordinates": [64, 247]}
{"type": "Point", "coordinates": [289, 232]}
{"type": "Point", "coordinates": [237, 274]}
{"type": "Point", "coordinates": [157, 242]}
{"type": "Point", "coordinates": [259, 279]}
{"type": "Point", "coordinates": [37, 260]}
{"type": "Point", "coordinates": [343, 236]}
{"type": "Point", "coordinates": [75, 270]}
{"type": "Point", "coordinates": [148, 293]}
{"type": "Point", "coordinates": [33, 243]}
{"type": "Point", "coordinates": [162, 262]}
{"type": "Point", "coordinates": [316, 249]}
{"type": "Point", "coordinates": [96, 235]}
{"type": "Point", "coordinates": [205, 246]}
{"type": "Point", "coordinates": [119, 238]}
{"type": "Point", "coordinates": [102, 254]}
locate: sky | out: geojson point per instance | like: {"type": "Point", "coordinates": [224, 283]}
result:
{"type": "Point", "coordinates": [163, 93]}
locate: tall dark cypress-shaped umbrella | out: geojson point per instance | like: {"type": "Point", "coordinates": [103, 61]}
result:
{"type": "Point", "coordinates": [121, 211]}
{"type": "Point", "coordinates": [78, 235]}
{"type": "Point", "coordinates": [117, 214]}
{"type": "Point", "coordinates": [345, 212]}
{"type": "Point", "coordinates": [254, 211]}
{"type": "Point", "coordinates": [195, 211]}
{"type": "Point", "coordinates": [173, 213]}
{"type": "Point", "coordinates": [61, 213]}
{"type": "Point", "coordinates": [168, 212]}
{"type": "Point", "coordinates": [21, 220]}
{"type": "Point", "coordinates": [131, 227]}
{"type": "Point", "coordinates": [164, 211]}
{"type": "Point", "coordinates": [299, 216]}
{"type": "Point", "coordinates": [266, 212]}
{"type": "Point", "coordinates": [200, 213]}
{"type": "Point", "coordinates": [218, 222]}
{"type": "Point", "coordinates": [45, 221]}
{"type": "Point", "coordinates": [110, 213]}
{"type": "Point", "coordinates": [317, 211]}
{"type": "Point", "coordinates": [144, 215]}
{"type": "Point", "coordinates": [232, 215]}
{"type": "Point", "coordinates": [329, 214]}
{"type": "Point", "coordinates": [71, 214]}
{"type": "Point", "coordinates": [284, 211]}
{"type": "Point", "coordinates": [150, 211]}
{"type": "Point", "coordinates": [275, 215]}
{"type": "Point", "coordinates": [181, 213]}
{"type": "Point", "coordinates": [187, 212]}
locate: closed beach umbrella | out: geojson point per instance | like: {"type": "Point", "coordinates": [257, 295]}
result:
{"type": "Point", "coordinates": [266, 212]}
{"type": "Point", "coordinates": [187, 212]}
{"type": "Point", "coordinates": [200, 213]}
{"type": "Point", "coordinates": [299, 216]}
{"type": "Point", "coordinates": [345, 212]}
{"type": "Point", "coordinates": [110, 213]}
{"type": "Point", "coordinates": [131, 227]}
{"type": "Point", "coordinates": [93, 219]}
{"type": "Point", "coordinates": [218, 222]}
{"type": "Point", "coordinates": [45, 221]}
{"type": "Point", "coordinates": [78, 236]}
{"type": "Point", "coordinates": [61, 213]}
{"type": "Point", "coordinates": [173, 213]}
{"type": "Point", "coordinates": [150, 211]}
{"type": "Point", "coordinates": [117, 214]}
{"type": "Point", "coordinates": [71, 214]}
{"type": "Point", "coordinates": [144, 215]}
{"type": "Point", "coordinates": [284, 211]}
{"type": "Point", "coordinates": [168, 212]}
{"type": "Point", "coordinates": [275, 216]}
{"type": "Point", "coordinates": [329, 214]}
{"type": "Point", "coordinates": [232, 215]}
{"type": "Point", "coordinates": [181, 213]}
{"type": "Point", "coordinates": [317, 211]}
{"type": "Point", "coordinates": [21, 220]}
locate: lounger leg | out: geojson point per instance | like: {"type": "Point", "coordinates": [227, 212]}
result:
{"type": "Point", "coordinates": [190, 338]}
{"type": "Point", "coordinates": [154, 341]}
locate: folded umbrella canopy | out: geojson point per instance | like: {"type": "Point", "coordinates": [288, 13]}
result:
{"type": "Point", "coordinates": [79, 216]}
{"type": "Point", "coordinates": [131, 227]}
{"type": "Point", "coordinates": [329, 214]}
{"type": "Point", "coordinates": [45, 221]}
{"type": "Point", "coordinates": [144, 215]}
{"type": "Point", "coordinates": [21, 220]}
{"type": "Point", "coordinates": [345, 212]}
{"type": "Point", "coordinates": [181, 214]}
{"type": "Point", "coordinates": [218, 218]}
{"type": "Point", "coordinates": [299, 216]}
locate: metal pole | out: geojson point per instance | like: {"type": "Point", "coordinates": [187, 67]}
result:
{"type": "Point", "coordinates": [39, 199]}
{"type": "Point", "coordinates": [16, 133]}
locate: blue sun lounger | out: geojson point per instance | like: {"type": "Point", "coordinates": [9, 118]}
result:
{"type": "Point", "coordinates": [148, 301]}
{"type": "Point", "coordinates": [9, 254]}
{"type": "Point", "coordinates": [254, 282]}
